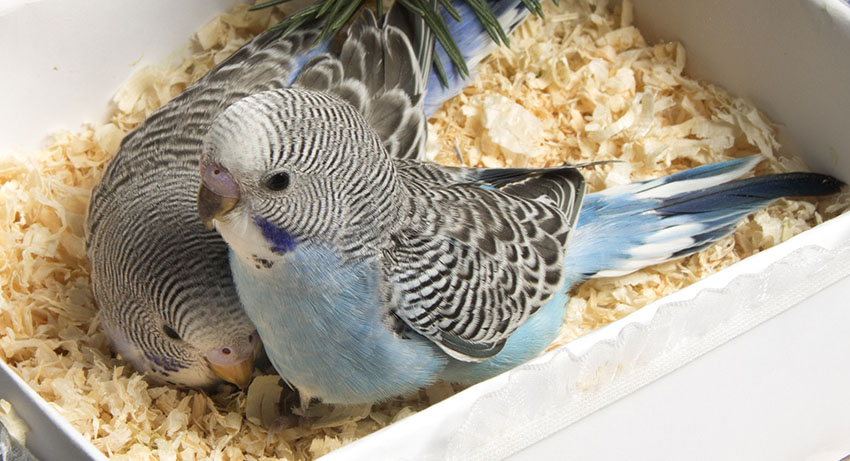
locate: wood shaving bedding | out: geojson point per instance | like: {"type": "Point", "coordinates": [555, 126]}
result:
{"type": "Point", "coordinates": [13, 423]}
{"type": "Point", "coordinates": [580, 86]}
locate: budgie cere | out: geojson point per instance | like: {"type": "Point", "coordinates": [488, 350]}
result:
{"type": "Point", "coordinates": [161, 280]}
{"type": "Point", "coordinates": [370, 274]}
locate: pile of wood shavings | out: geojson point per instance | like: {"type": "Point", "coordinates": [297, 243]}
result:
{"type": "Point", "coordinates": [585, 87]}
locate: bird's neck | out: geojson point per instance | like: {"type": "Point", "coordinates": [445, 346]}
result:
{"type": "Point", "coordinates": [379, 207]}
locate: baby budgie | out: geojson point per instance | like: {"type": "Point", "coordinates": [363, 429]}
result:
{"type": "Point", "coordinates": [370, 274]}
{"type": "Point", "coordinates": [161, 280]}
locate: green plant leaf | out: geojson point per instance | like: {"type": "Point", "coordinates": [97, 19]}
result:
{"type": "Point", "coordinates": [337, 13]}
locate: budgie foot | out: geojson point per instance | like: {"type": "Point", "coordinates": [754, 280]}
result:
{"type": "Point", "coordinates": [317, 415]}
{"type": "Point", "coordinates": [275, 405]}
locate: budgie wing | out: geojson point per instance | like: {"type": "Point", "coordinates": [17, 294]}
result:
{"type": "Point", "coordinates": [474, 44]}
{"type": "Point", "coordinates": [378, 72]}
{"type": "Point", "coordinates": [480, 260]}
{"type": "Point", "coordinates": [563, 186]}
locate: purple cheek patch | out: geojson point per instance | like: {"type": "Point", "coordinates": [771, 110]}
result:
{"type": "Point", "coordinates": [167, 364]}
{"type": "Point", "coordinates": [281, 241]}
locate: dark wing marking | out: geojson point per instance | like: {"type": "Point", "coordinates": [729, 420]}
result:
{"type": "Point", "coordinates": [556, 183]}
{"type": "Point", "coordinates": [378, 72]}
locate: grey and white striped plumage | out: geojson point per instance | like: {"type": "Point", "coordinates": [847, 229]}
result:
{"type": "Point", "coordinates": [448, 262]}
{"type": "Point", "coordinates": [155, 267]}
{"type": "Point", "coordinates": [377, 71]}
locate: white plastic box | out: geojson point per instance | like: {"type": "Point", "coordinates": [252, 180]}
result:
{"type": "Point", "coordinates": [750, 363]}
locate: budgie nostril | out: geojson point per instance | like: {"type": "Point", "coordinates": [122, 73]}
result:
{"type": "Point", "coordinates": [218, 179]}
{"type": "Point", "coordinates": [218, 193]}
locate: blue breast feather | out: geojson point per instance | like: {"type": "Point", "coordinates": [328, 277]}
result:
{"type": "Point", "coordinates": [325, 332]}
{"type": "Point", "coordinates": [324, 328]}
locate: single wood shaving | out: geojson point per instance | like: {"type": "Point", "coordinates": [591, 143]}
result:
{"type": "Point", "coordinates": [13, 423]}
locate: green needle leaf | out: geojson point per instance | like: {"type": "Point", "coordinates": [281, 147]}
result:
{"type": "Point", "coordinates": [337, 13]}
{"type": "Point", "coordinates": [447, 4]}
{"type": "Point", "coordinates": [268, 4]}
{"type": "Point", "coordinates": [441, 73]}
{"type": "Point", "coordinates": [488, 20]}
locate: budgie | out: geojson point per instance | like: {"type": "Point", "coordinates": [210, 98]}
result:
{"type": "Point", "coordinates": [161, 280]}
{"type": "Point", "coordinates": [370, 274]}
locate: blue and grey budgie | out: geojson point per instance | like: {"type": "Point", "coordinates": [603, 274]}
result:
{"type": "Point", "coordinates": [371, 274]}
{"type": "Point", "coordinates": [161, 280]}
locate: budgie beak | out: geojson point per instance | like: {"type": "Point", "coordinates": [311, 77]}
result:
{"type": "Point", "coordinates": [235, 363]}
{"type": "Point", "coordinates": [239, 373]}
{"type": "Point", "coordinates": [218, 193]}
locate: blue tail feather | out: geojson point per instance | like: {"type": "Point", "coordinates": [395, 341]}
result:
{"type": "Point", "coordinates": [747, 194]}
{"type": "Point", "coordinates": [626, 228]}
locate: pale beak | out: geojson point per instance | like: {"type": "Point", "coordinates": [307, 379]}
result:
{"type": "Point", "coordinates": [239, 373]}
{"type": "Point", "coordinates": [218, 193]}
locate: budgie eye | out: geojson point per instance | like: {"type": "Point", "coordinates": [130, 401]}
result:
{"type": "Point", "coordinates": [278, 181]}
{"type": "Point", "coordinates": [170, 332]}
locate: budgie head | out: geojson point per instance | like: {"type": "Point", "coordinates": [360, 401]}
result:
{"type": "Point", "coordinates": [198, 348]}
{"type": "Point", "coordinates": [293, 167]}
{"type": "Point", "coordinates": [182, 323]}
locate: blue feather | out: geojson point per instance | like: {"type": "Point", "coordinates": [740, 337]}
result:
{"type": "Point", "coordinates": [625, 228]}
{"type": "Point", "coordinates": [747, 194]}
{"type": "Point", "coordinates": [324, 332]}
{"type": "Point", "coordinates": [303, 59]}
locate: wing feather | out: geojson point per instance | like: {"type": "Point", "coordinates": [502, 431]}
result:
{"type": "Point", "coordinates": [479, 261]}
{"type": "Point", "coordinates": [378, 72]}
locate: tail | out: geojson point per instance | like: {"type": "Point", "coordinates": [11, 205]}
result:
{"type": "Point", "coordinates": [474, 45]}
{"type": "Point", "coordinates": [626, 228]}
